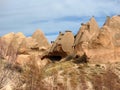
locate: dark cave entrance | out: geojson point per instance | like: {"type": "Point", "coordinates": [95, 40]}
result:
{"type": "Point", "coordinates": [55, 58]}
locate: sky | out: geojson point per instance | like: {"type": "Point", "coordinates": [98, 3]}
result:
{"type": "Point", "coordinates": [52, 16]}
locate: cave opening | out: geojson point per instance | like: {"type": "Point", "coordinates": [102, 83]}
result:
{"type": "Point", "coordinates": [55, 58]}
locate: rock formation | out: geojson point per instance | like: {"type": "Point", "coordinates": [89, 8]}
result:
{"type": "Point", "coordinates": [87, 33]}
{"type": "Point", "coordinates": [15, 47]}
{"type": "Point", "coordinates": [33, 46]}
{"type": "Point", "coordinates": [41, 39]}
{"type": "Point", "coordinates": [27, 45]}
{"type": "Point", "coordinates": [11, 44]}
{"type": "Point", "coordinates": [62, 46]}
{"type": "Point", "coordinates": [29, 57]}
{"type": "Point", "coordinates": [98, 44]}
{"type": "Point", "coordinates": [101, 45]}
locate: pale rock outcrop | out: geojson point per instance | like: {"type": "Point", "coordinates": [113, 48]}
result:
{"type": "Point", "coordinates": [8, 37]}
{"type": "Point", "coordinates": [109, 39]}
{"type": "Point", "coordinates": [86, 34]}
{"type": "Point", "coordinates": [87, 31]}
{"type": "Point", "coordinates": [11, 43]}
{"type": "Point", "coordinates": [15, 47]}
{"type": "Point", "coordinates": [114, 25]}
{"type": "Point", "coordinates": [22, 59]}
{"type": "Point", "coordinates": [32, 46]}
{"type": "Point", "coordinates": [41, 39]}
{"type": "Point", "coordinates": [63, 45]}
{"type": "Point", "coordinates": [5, 42]}
{"type": "Point", "coordinates": [105, 46]}
{"type": "Point", "coordinates": [27, 44]}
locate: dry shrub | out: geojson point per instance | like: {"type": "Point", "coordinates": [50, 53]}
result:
{"type": "Point", "coordinates": [12, 51]}
{"type": "Point", "coordinates": [81, 59]}
{"type": "Point", "coordinates": [2, 48]}
{"type": "Point", "coordinates": [32, 76]}
{"type": "Point", "coordinates": [35, 77]}
{"type": "Point", "coordinates": [107, 81]}
{"type": "Point", "coordinates": [9, 51]}
{"type": "Point", "coordinates": [9, 77]}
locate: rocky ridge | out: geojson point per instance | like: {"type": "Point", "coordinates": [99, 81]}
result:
{"type": "Point", "coordinates": [90, 60]}
{"type": "Point", "coordinates": [17, 48]}
{"type": "Point", "coordinates": [98, 44]}
{"type": "Point", "coordinates": [102, 45]}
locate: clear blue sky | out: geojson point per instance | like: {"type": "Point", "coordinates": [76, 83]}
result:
{"type": "Point", "coordinates": [52, 16]}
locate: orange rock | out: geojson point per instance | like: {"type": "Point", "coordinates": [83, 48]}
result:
{"type": "Point", "coordinates": [41, 39]}
{"type": "Point", "coordinates": [23, 59]}
{"type": "Point", "coordinates": [63, 45]}
{"type": "Point", "coordinates": [100, 45]}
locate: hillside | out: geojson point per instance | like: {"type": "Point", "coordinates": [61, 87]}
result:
{"type": "Point", "coordinates": [89, 60]}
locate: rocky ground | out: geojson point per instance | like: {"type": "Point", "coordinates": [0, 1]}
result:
{"type": "Point", "coordinates": [70, 76]}
{"type": "Point", "coordinates": [61, 75]}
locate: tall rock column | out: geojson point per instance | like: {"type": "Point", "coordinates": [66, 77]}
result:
{"type": "Point", "coordinates": [86, 34]}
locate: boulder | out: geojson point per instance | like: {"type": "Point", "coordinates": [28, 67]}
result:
{"type": "Point", "coordinates": [63, 45]}
{"type": "Point", "coordinates": [27, 45]}
{"type": "Point", "coordinates": [12, 42]}
{"type": "Point", "coordinates": [22, 59]}
{"type": "Point", "coordinates": [40, 39]}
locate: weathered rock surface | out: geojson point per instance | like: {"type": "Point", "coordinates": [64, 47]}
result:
{"type": "Point", "coordinates": [101, 45]}
{"type": "Point", "coordinates": [22, 59]}
{"type": "Point", "coordinates": [69, 76]}
{"type": "Point", "coordinates": [41, 39]}
{"type": "Point", "coordinates": [63, 45]}
{"type": "Point", "coordinates": [87, 33]}
{"type": "Point", "coordinates": [16, 47]}
{"type": "Point", "coordinates": [27, 45]}
{"type": "Point", "coordinates": [10, 44]}
{"type": "Point", "coordinates": [98, 44]}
